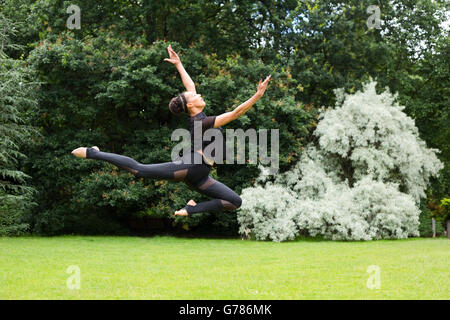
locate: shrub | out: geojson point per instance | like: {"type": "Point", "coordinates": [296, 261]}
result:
{"type": "Point", "coordinates": [361, 179]}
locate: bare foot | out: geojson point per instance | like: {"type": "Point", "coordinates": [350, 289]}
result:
{"type": "Point", "coordinates": [181, 212]}
{"type": "Point", "coordinates": [81, 151]}
{"type": "Point", "coordinates": [191, 203]}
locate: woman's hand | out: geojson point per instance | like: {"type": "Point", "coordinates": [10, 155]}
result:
{"type": "Point", "coordinates": [262, 86]}
{"type": "Point", "coordinates": [174, 59]}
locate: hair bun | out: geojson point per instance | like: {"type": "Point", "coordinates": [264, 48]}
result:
{"type": "Point", "coordinates": [176, 105]}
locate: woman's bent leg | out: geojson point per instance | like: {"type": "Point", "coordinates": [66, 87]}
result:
{"type": "Point", "coordinates": [225, 198]}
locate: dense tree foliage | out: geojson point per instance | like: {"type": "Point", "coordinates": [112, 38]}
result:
{"type": "Point", "coordinates": [16, 99]}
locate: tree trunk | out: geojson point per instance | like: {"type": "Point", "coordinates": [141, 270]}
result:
{"type": "Point", "coordinates": [433, 225]}
{"type": "Point", "coordinates": [448, 229]}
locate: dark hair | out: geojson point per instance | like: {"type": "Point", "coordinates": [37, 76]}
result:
{"type": "Point", "coordinates": [178, 104]}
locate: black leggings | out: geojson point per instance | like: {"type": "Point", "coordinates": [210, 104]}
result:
{"type": "Point", "coordinates": [196, 176]}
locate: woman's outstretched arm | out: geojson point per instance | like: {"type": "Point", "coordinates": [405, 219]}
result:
{"type": "Point", "coordinates": [227, 117]}
{"type": "Point", "coordinates": [174, 59]}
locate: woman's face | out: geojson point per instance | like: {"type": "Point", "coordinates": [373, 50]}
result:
{"type": "Point", "coordinates": [194, 99]}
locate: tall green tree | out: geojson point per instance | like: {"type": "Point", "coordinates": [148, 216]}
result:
{"type": "Point", "coordinates": [16, 98]}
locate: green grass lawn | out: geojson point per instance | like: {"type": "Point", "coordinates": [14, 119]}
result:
{"type": "Point", "coordinates": [166, 267]}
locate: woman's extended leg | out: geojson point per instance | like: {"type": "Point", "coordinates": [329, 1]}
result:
{"type": "Point", "coordinates": [168, 170]}
{"type": "Point", "coordinates": [195, 175]}
{"type": "Point", "coordinates": [224, 198]}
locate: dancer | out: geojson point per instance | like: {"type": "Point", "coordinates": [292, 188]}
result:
{"type": "Point", "coordinates": [195, 175]}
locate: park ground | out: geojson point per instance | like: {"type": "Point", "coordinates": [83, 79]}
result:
{"type": "Point", "coordinates": [165, 267]}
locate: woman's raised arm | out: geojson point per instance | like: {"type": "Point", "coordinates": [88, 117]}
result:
{"type": "Point", "coordinates": [175, 60]}
{"type": "Point", "coordinates": [227, 117]}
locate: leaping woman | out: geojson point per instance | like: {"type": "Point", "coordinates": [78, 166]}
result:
{"type": "Point", "coordinates": [195, 175]}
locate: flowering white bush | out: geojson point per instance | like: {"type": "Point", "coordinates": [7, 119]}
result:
{"type": "Point", "coordinates": [379, 139]}
{"type": "Point", "coordinates": [369, 210]}
{"type": "Point", "coordinates": [362, 181]}
{"type": "Point", "coordinates": [266, 216]}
